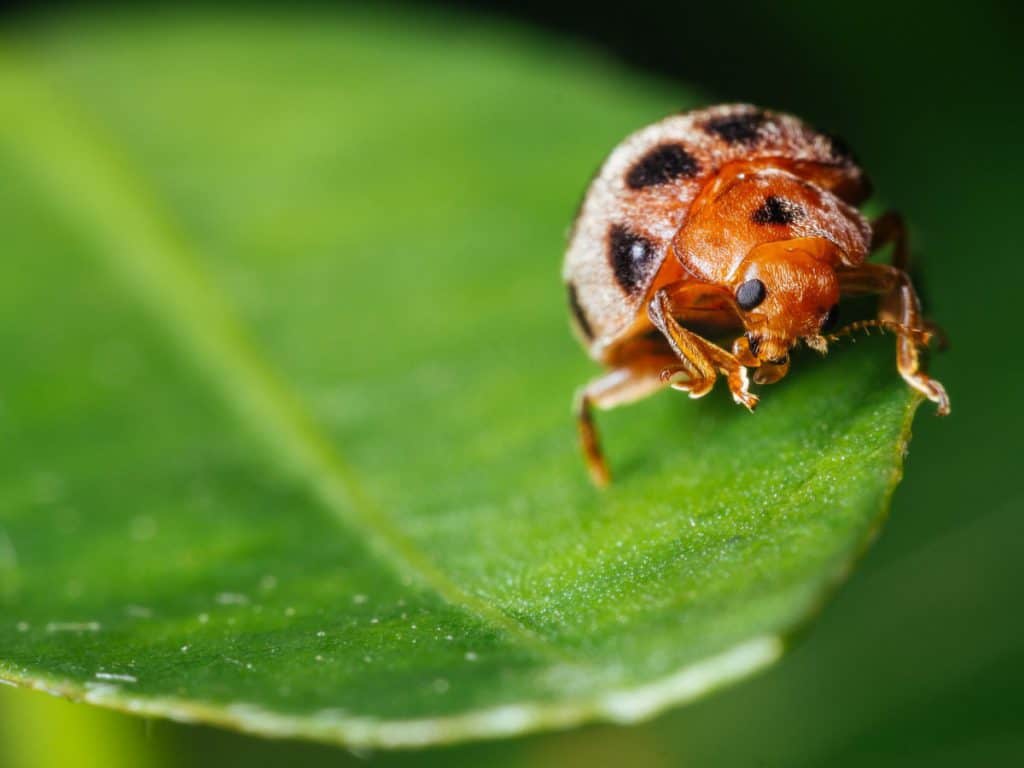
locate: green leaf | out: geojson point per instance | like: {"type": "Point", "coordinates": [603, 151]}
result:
{"type": "Point", "coordinates": [285, 441]}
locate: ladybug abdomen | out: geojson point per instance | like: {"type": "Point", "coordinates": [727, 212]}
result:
{"type": "Point", "coordinates": [640, 198]}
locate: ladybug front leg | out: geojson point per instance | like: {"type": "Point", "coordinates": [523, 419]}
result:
{"type": "Point", "coordinates": [901, 306]}
{"type": "Point", "coordinates": [619, 386]}
{"type": "Point", "coordinates": [700, 361]}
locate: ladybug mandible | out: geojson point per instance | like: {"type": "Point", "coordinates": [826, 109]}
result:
{"type": "Point", "coordinates": [730, 218]}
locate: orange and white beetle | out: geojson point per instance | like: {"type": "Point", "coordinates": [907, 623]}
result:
{"type": "Point", "coordinates": [730, 218]}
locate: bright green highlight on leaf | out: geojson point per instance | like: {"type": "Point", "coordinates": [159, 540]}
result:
{"type": "Point", "coordinates": [285, 438]}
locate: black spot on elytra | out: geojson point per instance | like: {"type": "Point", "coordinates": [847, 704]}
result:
{"type": "Point", "coordinates": [839, 149]}
{"type": "Point", "coordinates": [631, 257]}
{"type": "Point", "coordinates": [777, 210]}
{"type": "Point", "coordinates": [737, 129]}
{"type": "Point", "coordinates": [660, 165]}
{"type": "Point", "coordinates": [577, 312]}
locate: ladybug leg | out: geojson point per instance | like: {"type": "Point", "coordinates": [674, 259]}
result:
{"type": "Point", "coordinates": [619, 386]}
{"type": "Point", "coordinates": [900, 305]}
{"type": "Point", "coordinates": [890, 228]}
{"type": "Point", "coordinates": [700, 361]}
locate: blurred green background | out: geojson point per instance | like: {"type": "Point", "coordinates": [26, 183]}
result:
{"type": "Point", "coordinates": [920, 659]}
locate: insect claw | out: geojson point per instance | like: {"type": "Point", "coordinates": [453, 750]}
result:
{"type": "Point", "coordinates": [680, 379]}
{"type": "Point", "coordinates": [746, 399]}
{"type": "Point", "coordinates": [675, 377]}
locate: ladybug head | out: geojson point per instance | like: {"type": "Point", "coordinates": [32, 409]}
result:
{"type": "Point", "coordinates": [785, 291]}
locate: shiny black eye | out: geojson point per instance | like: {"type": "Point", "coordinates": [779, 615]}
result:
{"type": "Point", "coordinates": [750, 294]}
{"type": "Point", "coordinates": [831, 319]}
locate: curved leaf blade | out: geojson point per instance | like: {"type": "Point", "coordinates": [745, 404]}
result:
{"type": "Point", "coordinates": [287, 444]}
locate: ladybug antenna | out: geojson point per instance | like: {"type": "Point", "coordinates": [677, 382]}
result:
{"type": "Point", "coordinates": [920, 337]}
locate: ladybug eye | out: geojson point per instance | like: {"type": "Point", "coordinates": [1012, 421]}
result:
{"type": "Point", "coordinates": [831, 319]}
{"type": "Point", "coordinates": [750, 294]}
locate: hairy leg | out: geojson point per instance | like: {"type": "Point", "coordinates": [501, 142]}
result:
{"type": "Point", "coordinates": [901, 306]}
{"type": "Point", "coordinates": [619, 386]}
{"type": "Point", "coordinates": [890, 228]}
{"type": "Point", "coordinates": [700, 361]}
{"type": "Point", "coordinates": [691, 364]}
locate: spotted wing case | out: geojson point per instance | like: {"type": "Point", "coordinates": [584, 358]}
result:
{"type": "Point", "coordinates": [640, 197]}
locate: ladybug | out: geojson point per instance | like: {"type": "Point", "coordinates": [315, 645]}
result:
{"type": "Point", "coordinates": [720, 220]}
